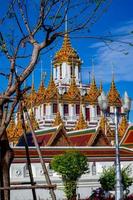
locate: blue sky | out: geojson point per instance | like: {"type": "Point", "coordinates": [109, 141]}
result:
{"type": "Point", "coordinates": [107, 56]}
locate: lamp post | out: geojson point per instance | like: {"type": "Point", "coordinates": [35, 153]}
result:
{"type": "Point", "coordinates": [103, 104]}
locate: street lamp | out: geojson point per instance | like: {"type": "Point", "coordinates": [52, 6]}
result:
{"type": "Point", "coordinates": [103, 104]}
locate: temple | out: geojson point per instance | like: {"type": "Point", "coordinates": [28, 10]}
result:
{"type": "Point", "coordinates": [66, 115]}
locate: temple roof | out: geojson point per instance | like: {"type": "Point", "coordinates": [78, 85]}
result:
{"type": "Point", "coordinates": [66, 53]}
{"type": "Point", "coordinates": [113, 96]}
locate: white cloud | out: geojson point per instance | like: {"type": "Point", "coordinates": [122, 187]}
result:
{"type": "Point", "coordinates": [117, 54]}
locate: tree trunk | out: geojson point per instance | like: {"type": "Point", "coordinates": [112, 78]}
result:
{"type": "Point", "coordinates": [70, 189]}
{"type": "Point", "coordinates": [5, 162]}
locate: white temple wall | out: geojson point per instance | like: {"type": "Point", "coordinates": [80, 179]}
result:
{"type": "Point", "coordinates": [86, 184]}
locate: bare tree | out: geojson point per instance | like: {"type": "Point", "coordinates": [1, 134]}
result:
{"type": "Point", "coordinates": [26, 29]}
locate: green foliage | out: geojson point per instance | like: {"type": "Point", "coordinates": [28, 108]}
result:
{"type": "Point", "coordinates": [71, 165]}
{"type": "Point", "coordinates": [107, 179]}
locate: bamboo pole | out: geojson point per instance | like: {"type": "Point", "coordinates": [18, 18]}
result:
{"type": "Point", "coordinates": [39, 153]}
{"type": "Point", "coordinates": [27, 154]}
{"type": "Point", "coordinates": [29, 187]}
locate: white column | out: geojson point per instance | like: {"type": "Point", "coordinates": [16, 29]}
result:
{"type": "Point", "coordinates": [54, 73]}
{"type": "Point", "coordinates": [64, 70]}
{"type": "Point", "coordinates": [77, 73]}
{"type": "Point", "coordinates": [61, 109]}
{"type": "Point", "coordinates": [48, 111]}
{"type": "Point", "coordinates": [58, 73]}
{"type": "Point", "coordinates": [93, 113]}
{"type": "Point", "coordinates": [83, 111]}
{"type": "Point", "coordinates": [72, 112]}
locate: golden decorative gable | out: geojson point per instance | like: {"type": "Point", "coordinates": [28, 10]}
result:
{"type": "Point", "coordinates": [81, 124]}
{"type": "Point", "coordinates": [114, 96]}
{"type": "Point", "coordinates": [93, 93]}
{"type": "Point", "coordinates": [73, 93]}
{"type": "Point", "coordinates": [51, 91]}
{"type": "Point", "coordinates": [58, 120]}
{"type": "Point", "coordinates": [122, 126]}
{"type": "Point", "coordinates": [66, 53]}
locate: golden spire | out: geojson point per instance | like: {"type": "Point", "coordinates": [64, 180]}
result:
{"type": "Point", "coordinates": [93, 93]}
{"type": "Point", "coordinates": [11, 130]}
{"type": "Point", "coordinates": [114, 96]}
{"type": "Point", "coordinates": [73, 92]}
{"type": "Point", "coordinates": [66, 53]}
{"type": "Point", "coordinates": [41, 92]}
{"type": "Point", "coordinates": [51, 91]}
{"type": "Point", "coordinates": [33, 122]}
{"type": "Point", "coordinates": [122, 126]}
{"type": "Point", "coordinates": [81, 123]}
{"type": "Point", "coordinates": [58, 120]}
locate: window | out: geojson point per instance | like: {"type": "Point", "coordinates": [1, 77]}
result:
{"type": "Point", "coordinates": [44, 109]}
{"type": "Point", "coordinates": [77, 109]}
{"type": "Point", "coordinates": [54, 108]}
{"type": "Point", "coordinates": [98, 110]}
{"type": "Point", "coordinates": [65, 109]}
{"type": "Point", "coordinates": [87, 114]}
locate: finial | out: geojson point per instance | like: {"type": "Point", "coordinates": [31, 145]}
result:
{"type": "Point", "coordinates": [51, 69]}
{"type": "Point", "coordinates": [93, 68]}
{"type": "Point", "coordinates": [66, 25]}
{"type": "Point", "coordinates": [41, 72]}
{"type": "Point", "coordinates": [113, 74]}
